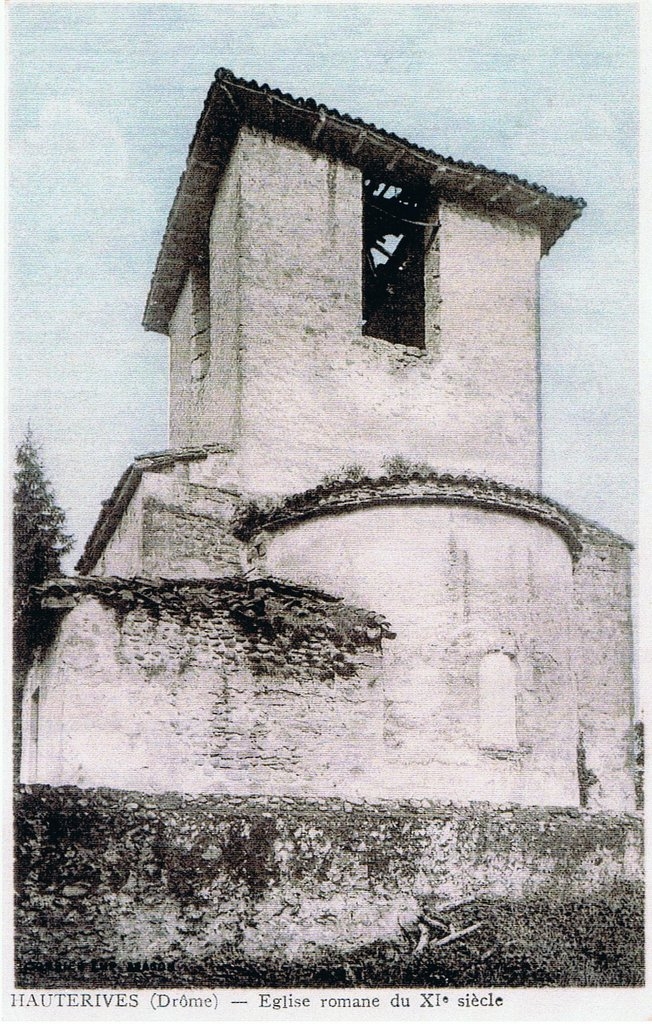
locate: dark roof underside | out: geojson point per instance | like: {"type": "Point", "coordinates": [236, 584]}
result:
{"type": "Point", "coordinates": [232, 102]}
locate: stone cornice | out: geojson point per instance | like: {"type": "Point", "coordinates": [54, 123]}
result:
{"type": "Point", "coordinates": [338, 497]}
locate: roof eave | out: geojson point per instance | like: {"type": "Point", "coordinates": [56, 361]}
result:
{"type": "Point", "coordinates": [232, 103]}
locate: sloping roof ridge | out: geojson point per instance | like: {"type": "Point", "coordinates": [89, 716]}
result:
{"type": "Point", "coordinates": [593, 526]}
{"type": "Point", "coordinates": [233, 102]}
{"type": "Point", "coordinates": [189, 453]}
{"type": "Point", "coordinates": [224, 75]}
{"type": "Point", "coordinates": [242, 584]}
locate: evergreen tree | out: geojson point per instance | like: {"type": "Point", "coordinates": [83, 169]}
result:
{"type": "Point", "coordinates": [40, 541]}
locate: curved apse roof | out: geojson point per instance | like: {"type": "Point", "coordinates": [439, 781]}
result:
{"type": "Point", "coordinates": [232, 103]}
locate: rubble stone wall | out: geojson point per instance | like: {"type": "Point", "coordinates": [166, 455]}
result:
{"type": "Point", "coordinates": [216, 686]}
{"type": "Point", "coordinates": [602, 645]}
{"type": "Point", "coordinates": [465, 590]}
{"type": "Point", "coordinates": [126, 876]}
{"type": "Point", "coordinates": [178, 685]}
{"type": "Point", "coordinates": [177, 524]}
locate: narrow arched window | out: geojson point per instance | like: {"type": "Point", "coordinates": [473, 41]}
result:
{"type": "Point", "coordinates": [497, 687]}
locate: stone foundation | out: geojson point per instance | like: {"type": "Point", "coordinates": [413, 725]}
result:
{"type": "Point", "coordinates": [127, 876]}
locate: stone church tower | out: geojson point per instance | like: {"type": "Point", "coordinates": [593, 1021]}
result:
{"type": "Point", "coordinates": [342, 578]}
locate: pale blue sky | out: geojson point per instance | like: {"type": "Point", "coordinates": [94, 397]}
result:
{"type": "Point", "coordinates": [103, 104]}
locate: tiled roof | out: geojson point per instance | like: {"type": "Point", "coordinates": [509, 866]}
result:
{"type": "Point", "coordinates": [233, 102]}
{"type": "Point", "coordinates": [420, 486]}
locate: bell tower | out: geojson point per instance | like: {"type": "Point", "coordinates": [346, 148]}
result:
{"type": "Point", "coordinates": [334, 294]}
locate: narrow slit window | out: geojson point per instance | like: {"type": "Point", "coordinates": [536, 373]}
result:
{"type": "Point", "coordinates": [201, 325]}
{"type": "Point", "coordinates": [497, 687]}
{"type": "Point", "coordinates": [393, 261]}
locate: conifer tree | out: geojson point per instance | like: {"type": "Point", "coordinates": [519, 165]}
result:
{"type": "Point", "coordinates": [40, 541]}
{"type": "Point", "coordinates": [39, 535]}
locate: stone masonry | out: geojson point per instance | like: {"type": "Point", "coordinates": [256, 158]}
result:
{"type": "Point", "coordinates": [296, 387]}
{"type": "Point", "coordinates": [341, 580]}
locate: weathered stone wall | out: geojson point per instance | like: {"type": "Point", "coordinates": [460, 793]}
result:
{"type": "Point", "coordinates": [601, 641]}
{"type": "Point", "coordinates": [180, 689]}
{"type": "Point", "coordinates": [123, 554]}
{"type": "Point", "coordinates": [206, 409]}
{"type": "Point", "coordinates": [292, 380]}
{"type": "Point", "coordinates": [457, 585]}
{"type": "Point", "coordinates": [216, 686]}
{"type": "Point", "coordinates": [129, 877]}
{"type": "Point", "coordinates": [177, 524]}
{"type": "Point", "coordinates": [184, 392]}
{"type": "Point", "coordinates": [489, 324]}
{"type": "Point", "coordinates": [316, 393]}
{"type": "Point", "coordinates": [474, 577]}
{"type": "Point", "coordinates": [599, 669]}
{"type": "Point", "coordinates": [189, 538]}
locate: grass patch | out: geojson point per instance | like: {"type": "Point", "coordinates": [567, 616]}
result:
{"type": "Point", "coordinates": [542, 941]}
